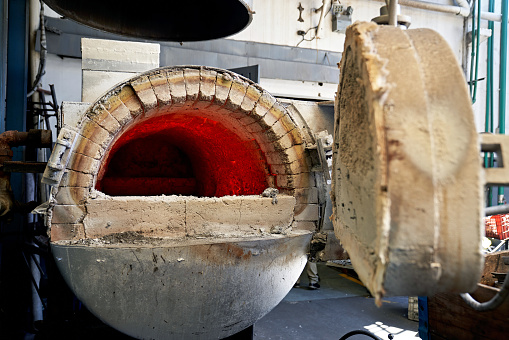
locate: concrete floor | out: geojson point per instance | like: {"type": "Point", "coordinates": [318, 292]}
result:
{"type": "Point", "coordinates": [338, 307]}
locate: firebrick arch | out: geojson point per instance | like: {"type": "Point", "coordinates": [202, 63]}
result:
{"type": "Point", "coordinates": [242, 108]}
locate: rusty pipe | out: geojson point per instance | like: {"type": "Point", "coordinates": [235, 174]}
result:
{"type": "Point", "coordinates": [8, 140]}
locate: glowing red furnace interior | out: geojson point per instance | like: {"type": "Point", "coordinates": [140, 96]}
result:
{"type": "Point", "coordinates": [183, 154]}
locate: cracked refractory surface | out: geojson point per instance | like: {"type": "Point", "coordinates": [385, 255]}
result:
{"type": "Point", "coordinates": [407, 189]}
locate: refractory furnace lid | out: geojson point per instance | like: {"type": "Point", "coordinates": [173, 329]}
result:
{"type": "Point", "coordinates": [160, 20]}
{"type": "Point", "coordinates": [407, 184]}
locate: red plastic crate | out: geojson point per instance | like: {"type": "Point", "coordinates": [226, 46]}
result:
{"type": "Point", "coordinates": [497, 226]}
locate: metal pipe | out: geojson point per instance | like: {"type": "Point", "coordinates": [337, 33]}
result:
{"type": "Point", "coordinates": [497, 210]}
{"type": "Point", "coordinates": [34, 282]}
{"type": "Point", "coordinates": [8, 140]}
{"type": "Point", "coordinates": [436, 7]}
{"type": "Point", "coordinates": [465, 4]}
{"type": "Point", "coordinates": [463, 9]}
{"type": "Point", "coordinates": [491, 16]}
{"type": "Point", "coordinates": [495, 301]}
{"type": "Point", "coordinates": [393, 13]}
{"type": "Point", "coordinates": [41, 58]}
{"type": "Point", "coordinates": [503, 79]}
{"type": "Point", "coordinates": [488, 124]}
{"type": "Point", "coordinates": [37, 302]}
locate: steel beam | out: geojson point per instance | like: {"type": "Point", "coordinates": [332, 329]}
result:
{"type": "Point", "coordinates": [17, 71]}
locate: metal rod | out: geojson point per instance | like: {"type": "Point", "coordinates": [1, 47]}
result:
{"type": "Point", "coordinates": [32, 255]}
{"type": "Point", "coordinates": [393, 13]}
{"type": "Point", "coordinates": [55, 106]}
{"type": "Point", "coordinates": [477, 42]}
{"type": "Point", "coordinates": [462, 10]}
{"type": "Point", "coordinates": [25, 167]}
{"type": "Point", "coordinates": [472, 53]}
{"type": "Point", "coordinates": [33, 280]}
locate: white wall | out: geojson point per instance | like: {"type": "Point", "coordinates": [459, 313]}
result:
{"type": "Point", "coordinates": [275, 22]}
{"type": "Point", "coordinates": [65, 74]}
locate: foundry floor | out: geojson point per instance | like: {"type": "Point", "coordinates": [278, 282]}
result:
{"type": "Point", "coordinates": [341, 305]}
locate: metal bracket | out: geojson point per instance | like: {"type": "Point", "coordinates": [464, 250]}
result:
{"type": "Point", "coordinates": [300, 8]}
{"type": "Point", "coordinates": [59, 157]}
{"type": "Point", "coordinates": [318, 159]}
{"type": "Point", "coordinates": [498, 144]}
{"type": "Point", "coordinates": [323, 160]}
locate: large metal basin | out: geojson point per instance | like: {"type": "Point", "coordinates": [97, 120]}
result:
{"type": "Point", "coordinates": [192, 289]}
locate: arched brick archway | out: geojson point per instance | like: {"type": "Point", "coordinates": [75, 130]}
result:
{"type": "Point", "coordinates": [236, 138]}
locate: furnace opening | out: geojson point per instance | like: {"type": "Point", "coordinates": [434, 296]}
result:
{"type": "Point", "coordinates": [183, 153]}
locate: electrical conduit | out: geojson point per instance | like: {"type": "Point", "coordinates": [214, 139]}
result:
{"type": "Point", "coordinates": [488, 122]}
{"type": "Point", "coordinates": [476, 29]}
{"type": "Point", "coordinates": [322, 15]}
{"type": "Point", "coordinates": [503, 80]}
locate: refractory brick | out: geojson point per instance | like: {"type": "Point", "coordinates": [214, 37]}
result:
{"type": "Point", "coordinates": [253, 93]}
{"type": "Point", "coordinates": [67, 231]}
{"type": "Point", "coordinates": [223, 85]}
{"type": "Point", "coordinates": [237, 216]}
{"type": "Point", "coordinates": [237, 93]}
{"type": "Point", "coordinates": [119, 111]}
{"type": "Point", "coordinates": [68, 214]}
{"type": "Point", "coordinates": [192, 79]}
{"type": "Point", "coordinates": [177, 84]}
{"type": "Point", "coordinates": [71, 195]}
{"type": "Point", "coordinates": [102, 117]}
{"type": "Point", "coordinates": [82, 163]}
{"type": "Point", "coordinates": [161, 88]}
{"type": "Point", "coordinates": [86, 147]}
{"type": "Point", "coordinates": [143, 88]}
{"type": "Point", "coordinates": [77, 179]}
{"type": "Point", "coordinates": [207, 90]}
{"type": "Point", "coordinates": [161, 216]}
{"type": "Point", "coordinates": [263, 105]}
{"type": "Point", "coordinates": [130, 100]}
{"type": "Point", "coordinates": [96, 133]}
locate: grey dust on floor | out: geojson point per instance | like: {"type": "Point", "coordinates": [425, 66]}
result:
{"type": "Point", "coordinates": [341, 305]}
